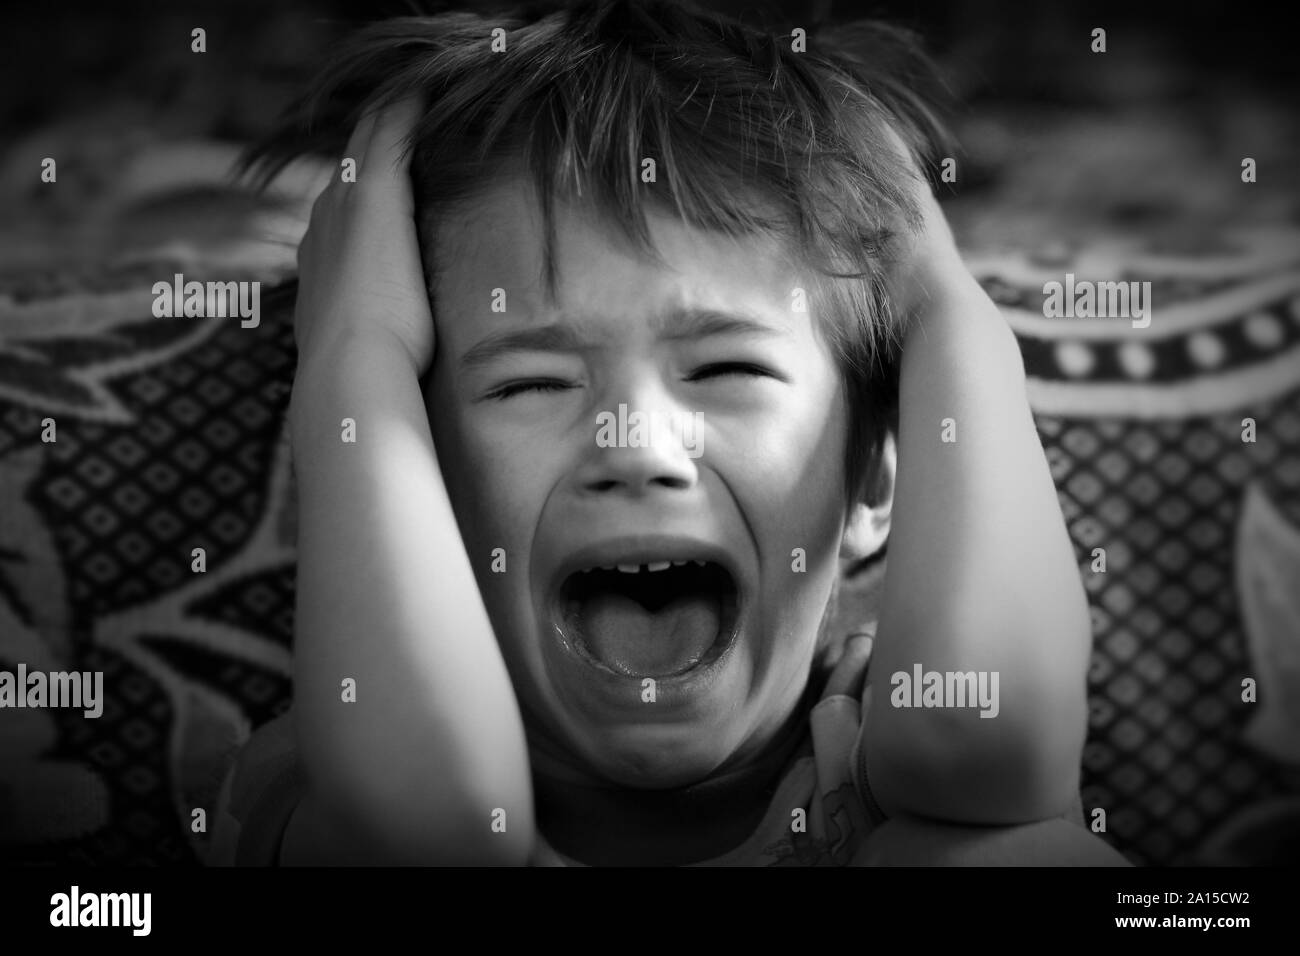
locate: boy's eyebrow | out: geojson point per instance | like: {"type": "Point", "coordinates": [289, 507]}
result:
{"type": "Point", "coordinates": [692, 323]}
{"type": "Point", "coordinates": [543, 338]}
{"type": "Point", "coordinates": [683, 323]}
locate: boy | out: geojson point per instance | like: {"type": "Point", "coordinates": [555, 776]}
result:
{"type": "Point", "coordinates": [625, 354]}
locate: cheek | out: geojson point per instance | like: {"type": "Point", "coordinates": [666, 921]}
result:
{"type": "Point", "coordinates": [810, 513]}
{"type": "Point", "coordinates": [477, 483]}
{"type": "Point", "coordinates": [497, 489]}
{"type": "Point", "coordinates": [792, 460]}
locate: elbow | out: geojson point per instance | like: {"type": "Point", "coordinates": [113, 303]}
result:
{"type": "Point", "coordinates": [473, 829]}
{"type": "Point", "coordinates": [419, 820]}
{"type": "Point", "coordinates": [468, 833]}
{"type": "Point", "coordinates": [1002, 785]}
{"type": "Point", "coordinates": [1029, 765]}
{"type": "Point", "coordinates": [1038, 776]}
{"type": "Point", "coordinates": [463, 839]}
{"type": "Point", "coordinates": [1020, 766]}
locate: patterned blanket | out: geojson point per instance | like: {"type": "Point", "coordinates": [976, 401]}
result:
{"type": "Point", "coordinates": [128, 441]}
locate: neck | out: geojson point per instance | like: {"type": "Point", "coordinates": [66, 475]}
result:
{"type": "Point", "coordinates": [601, 824]}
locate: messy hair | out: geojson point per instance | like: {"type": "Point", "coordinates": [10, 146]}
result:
{"type": "Point", "coordinates": [751, 137]}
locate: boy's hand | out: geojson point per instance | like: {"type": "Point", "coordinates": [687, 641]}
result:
{"type": "Point", "coordinates": [359, 264]}
{"type": "Point", "coordinates": [932, 264]}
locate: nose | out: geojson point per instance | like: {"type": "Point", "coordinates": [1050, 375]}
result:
{"type": "Point", "coordinates": [640, 447]}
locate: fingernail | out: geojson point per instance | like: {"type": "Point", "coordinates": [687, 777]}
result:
{"type": "Point", "coordinates": [864, 639]}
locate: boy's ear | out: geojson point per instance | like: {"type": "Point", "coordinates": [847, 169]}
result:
{"type": "Point", "coordinates": [868, 524]}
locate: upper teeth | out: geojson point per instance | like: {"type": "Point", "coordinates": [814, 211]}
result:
{"type": "Point", "coordinates": [650, 566]}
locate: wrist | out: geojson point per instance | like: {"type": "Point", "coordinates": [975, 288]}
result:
{"type": "Point", "coordinates": [947, 301]}
{"type": "Point", "coordinates": [350, 357]}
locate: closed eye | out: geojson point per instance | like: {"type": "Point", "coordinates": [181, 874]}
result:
{"type": "Point", "coordinates": [511, 389]}
{"type": "Point", "coordinates": [733, 368]}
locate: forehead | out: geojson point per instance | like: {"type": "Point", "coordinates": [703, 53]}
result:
{"type": "Point", "coordinates": [493, 248]}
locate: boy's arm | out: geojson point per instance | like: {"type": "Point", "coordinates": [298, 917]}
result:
{"type": "Point", "coordinates": [386, 596]}
{"type": "Point", "coordinates": [981, 573]}
{"type": "Point", "coordinates": [413, 768]}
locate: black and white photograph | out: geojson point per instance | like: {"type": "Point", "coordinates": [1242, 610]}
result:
{"type": "Point", "coordinates": [650, 433]}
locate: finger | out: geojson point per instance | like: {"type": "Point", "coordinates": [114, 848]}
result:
{"type": "Point", "coordinates": [361, 136]}
{"type": "Point", "coordinates": [392, 125]}
{"type": "Point", "coordinates": [851, 670]}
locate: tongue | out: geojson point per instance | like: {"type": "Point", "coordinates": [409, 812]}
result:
{"type": "Point", "coordinates": [626, 637]}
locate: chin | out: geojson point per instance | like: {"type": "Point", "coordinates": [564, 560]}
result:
{"type": "Point", "coordinates": [656, 757]}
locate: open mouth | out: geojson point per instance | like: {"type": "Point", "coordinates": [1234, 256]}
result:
{"type": "Point", "coordinates": [658, 619]}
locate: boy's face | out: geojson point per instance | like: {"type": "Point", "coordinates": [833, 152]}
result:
{"type": "Point", "coordinates": [660, 677]}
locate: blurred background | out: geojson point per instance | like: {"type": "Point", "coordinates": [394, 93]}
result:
{"type": "Point", "coordinates": [1118, 165]}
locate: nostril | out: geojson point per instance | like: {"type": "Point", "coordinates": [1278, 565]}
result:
{"type": "Point", "coordinates": [671, 482]}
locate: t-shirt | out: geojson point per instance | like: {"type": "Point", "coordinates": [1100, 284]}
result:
{"type": "Point", "coordinates": [820, 814]}
{"type": "Point", "coordinates": [821, 811]}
